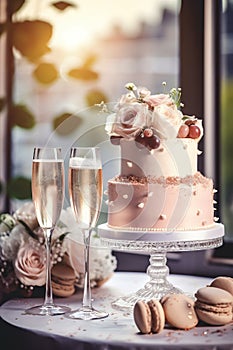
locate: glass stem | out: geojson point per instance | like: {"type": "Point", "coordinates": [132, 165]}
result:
{"type": "Point", "coordinates": [48, 288]}
{"type": "Point", "coordinates": [158, 270]}
{"type": "Point", "coordinates": [87, 302]}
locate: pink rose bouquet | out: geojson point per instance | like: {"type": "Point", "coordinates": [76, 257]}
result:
{"type": "Point", "coordinates": [22, 253]}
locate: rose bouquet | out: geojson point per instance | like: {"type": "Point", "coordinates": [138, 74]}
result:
{"type": "Point", "coordinates": [22, 253]}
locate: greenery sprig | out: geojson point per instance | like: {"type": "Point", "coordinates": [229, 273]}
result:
{"type": "Point", "coordinates": [175, 94]}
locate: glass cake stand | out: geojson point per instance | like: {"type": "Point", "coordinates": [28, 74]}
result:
{"type": "Point", "coordinates": [157, 244]}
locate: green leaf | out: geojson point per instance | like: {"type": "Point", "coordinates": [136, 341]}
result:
{"type": "Point", "coordinates": [45, 73]}
{"type": "Point", "coordinates": [66, 123]}
{"type": "Point", "coordinates": [175, 95]}
{"type": "Point", "coordinates": [22, 117]}
{"type": "Point", "coordinates": [83, 73]}
{"type": "Point", "coordinates": [62, 236]}
{"type": "Point", "coordinates": [94, 97]}
{"type": "Point", "coordinates": [63, 5]}
{"type": "Point", "coordinates": [31, 38]}
{"type": "Point", "coordinates": [15, 5]}
{"type": "Point", "coordinates": [19, 187]}
{"type": "Point", "coordinates": [2, 103]}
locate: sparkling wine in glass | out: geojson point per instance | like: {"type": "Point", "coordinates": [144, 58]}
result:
{"type": "Point", "coordinates": [48, 197]}
{"type": "Point", "coordinates": [86, 190]}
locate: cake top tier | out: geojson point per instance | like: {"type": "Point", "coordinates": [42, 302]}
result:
{"type": "Point", "coordinates": [148, 119]}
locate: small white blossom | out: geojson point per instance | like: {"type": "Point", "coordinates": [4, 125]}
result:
{"type": "Point", "coordinates": [131, 86]}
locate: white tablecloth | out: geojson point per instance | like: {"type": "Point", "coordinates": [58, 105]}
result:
{"type": "Point", "coordinates": [118, 331]}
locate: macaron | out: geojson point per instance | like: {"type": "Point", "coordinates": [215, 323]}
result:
{"type": "Point", "coordinates": [63, 280]}
{"type": "Point", "coordinates": [157, 316]}
{"type": "Point", "coordinates": [214, 305]}
{"type": "Point", "coordinates": [149, 316]}
{"type": "Point", "coordinates": [223, 282]}
{"type": "Point", "coordinates": [179, 311]}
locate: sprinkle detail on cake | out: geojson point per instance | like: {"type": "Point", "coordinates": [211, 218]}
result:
{"type": "Point", "coordinates": [198, 178]}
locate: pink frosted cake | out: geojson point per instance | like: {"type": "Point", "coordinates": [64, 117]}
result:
{"type": "Point", "coordinates": [159, 187]}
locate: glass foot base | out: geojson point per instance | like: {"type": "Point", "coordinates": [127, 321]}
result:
{"type": "Point", "coordinates": [86, 314]}
{"type": "Point", "coordinates": [147, 293]}
{"type": "Point", "coordinates": [156, 288]}
{"type": "Point", "coordinates": [47, 310]}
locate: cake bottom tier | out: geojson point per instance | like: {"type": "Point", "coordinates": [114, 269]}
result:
{"type": "Point", "coordinates": [156, 204]}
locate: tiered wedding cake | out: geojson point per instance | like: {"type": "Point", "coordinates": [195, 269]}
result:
{"type": "Point", "coordinates": [159, 187]}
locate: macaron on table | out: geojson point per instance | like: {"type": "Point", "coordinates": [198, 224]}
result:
{"type": "Point", "coordinates": [210, 306]}
{"type": "Point", "coordinates": [118, 331]}
{"type": "Point", "coordinates": [214, 305]}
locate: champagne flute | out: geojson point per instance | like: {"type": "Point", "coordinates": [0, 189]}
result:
{"type": "Point", "coordinates": [86, 189]}
{"type": "Point", "coordinates": [48, 196]}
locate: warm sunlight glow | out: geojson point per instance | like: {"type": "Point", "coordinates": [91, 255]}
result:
{"type": "Point", "coordinates": [81, 25]}
{"type": "Point", "coordinates": [70, 37]}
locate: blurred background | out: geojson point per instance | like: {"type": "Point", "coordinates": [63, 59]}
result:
{"type": "Point", "coordinates": [58, 59]}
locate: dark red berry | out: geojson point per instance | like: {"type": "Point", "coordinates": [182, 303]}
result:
{"type": "Point", "coordinates": [140, 141]}
{"type": "Point", "coordinates": [194, 132]}
{"type": "Point", "coordinates": [153, 142]}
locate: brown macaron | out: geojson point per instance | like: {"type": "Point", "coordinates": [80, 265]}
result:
{"type": "Point", "coordinates": [214, 305]}
{"type": "Point", "coordinates": [179, 311]}
{"type": "Point", "coordinates": [157, 316]}
{"type": "Point", "coordinates": [223, 282]}
{"type": "Point", "coordinates": [63, 280]}
{"type": "Point", "coordinates": [149, 316]}
{"type": "Point", "coordinates": [142, 316]}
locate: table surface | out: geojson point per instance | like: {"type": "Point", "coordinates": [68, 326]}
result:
{"type": "Point", "coordinates": [118, 331]}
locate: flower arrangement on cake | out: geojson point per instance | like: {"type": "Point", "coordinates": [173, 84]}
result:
{"type": "Point", "coordinates": [22, 255]}
{"type": "Point", "coordinates": [149, 118]}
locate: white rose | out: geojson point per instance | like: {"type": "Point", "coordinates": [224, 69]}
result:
{"type": "Point", "coordinates": [166, 121]}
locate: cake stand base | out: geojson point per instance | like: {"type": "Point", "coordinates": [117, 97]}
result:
{"type": "Point", "coordinates": [157, 244]}
{"type": "Point", "coordinates": [157, 287]}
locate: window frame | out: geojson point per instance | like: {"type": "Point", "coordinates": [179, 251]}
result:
{"type": "Point", "coordinates": [201, 91]}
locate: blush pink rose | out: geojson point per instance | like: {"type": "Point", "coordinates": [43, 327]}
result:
{"type": "Point", "coordinates": [130, 119]}
{"type": "Point", "coordinates": [30, 266]}
{"type": "Point", "coordinates": [159, 99]}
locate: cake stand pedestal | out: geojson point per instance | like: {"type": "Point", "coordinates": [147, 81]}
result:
{"type": "Point", "coordinates": [157, 244]}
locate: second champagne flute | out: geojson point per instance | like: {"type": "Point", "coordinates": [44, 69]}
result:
{"type": "Point", "coordinates": [86, 189]}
